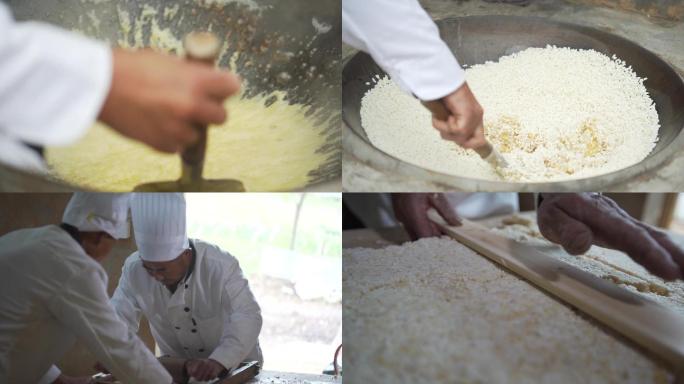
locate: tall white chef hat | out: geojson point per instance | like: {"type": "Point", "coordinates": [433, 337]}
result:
{"type": "Point", "coordinates": [108, 212]}
{"type": "Point", "coordinates": [159, 225]}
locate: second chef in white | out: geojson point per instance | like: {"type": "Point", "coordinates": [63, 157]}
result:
{"type": "Point", "coordinates": [193, 294]}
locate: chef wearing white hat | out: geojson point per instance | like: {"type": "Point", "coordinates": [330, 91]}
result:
{"type": "Point", "coordinates": [193, 294]}
{"type": "Point", "coordinates": [53, 292]}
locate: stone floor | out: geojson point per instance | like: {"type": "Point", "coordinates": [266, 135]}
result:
{"type": "Point", "coordinates": [663, 37]}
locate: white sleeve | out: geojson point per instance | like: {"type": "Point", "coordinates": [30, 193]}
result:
{"type": "Point", "coordinates": [53, 83]}
{"type": "Point", "coordinates": [124, 302]}
{"type": "Point", "coordinates": [82, 306]}
{"type": "Point", "coordinates": [402, 38]}
{"type": "Point", "coordinates": [51, 375]}
{"type": "Point", "coordinates": [480, 205]}
{"type": "Point", "coordinates": [242, 320]}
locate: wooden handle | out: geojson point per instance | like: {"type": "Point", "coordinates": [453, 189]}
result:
{"type": "Point", "coordinates": [440, 111]}
{"type": "Point", "coordinates": [484, 150]}
{"type": "Point", "coordinates": [201, 47]}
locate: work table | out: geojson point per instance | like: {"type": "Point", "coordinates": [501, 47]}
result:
{"type": "Point", "coordinates": [275, 377]}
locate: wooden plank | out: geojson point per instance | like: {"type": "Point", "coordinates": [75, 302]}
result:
{"type": "Point", "coordinates": [647, 323]}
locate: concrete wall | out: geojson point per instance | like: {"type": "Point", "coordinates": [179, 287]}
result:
{"type": "Point", "coordinates": [24, 210]}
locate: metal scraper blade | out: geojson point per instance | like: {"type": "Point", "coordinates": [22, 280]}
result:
{"type": "Point", "coordinates": [201, 185]}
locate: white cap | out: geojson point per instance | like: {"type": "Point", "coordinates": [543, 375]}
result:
{"type": "Point", "coordinates": [94, 212]}
{"type": "Point", "coordinates": [159, 225]}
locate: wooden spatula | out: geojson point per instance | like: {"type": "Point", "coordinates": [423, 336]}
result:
{"type": "Point", "coordinates": [643, 321]}
{"type": "Point", "coordinates": [487, 151]}
{"type": "Point", "coordinates": [201, 47]}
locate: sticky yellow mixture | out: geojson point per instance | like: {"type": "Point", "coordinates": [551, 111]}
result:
{"type": "Point", "coordinates": [267, 148]}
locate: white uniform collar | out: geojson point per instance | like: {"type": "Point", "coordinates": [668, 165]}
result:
{"type": "Point", "coordinates": [182, 294]}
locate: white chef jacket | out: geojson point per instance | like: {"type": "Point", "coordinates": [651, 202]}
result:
{"type": "Point", "coordinates": [404, 41]}
{"type": "Point", "coordinates": [212, 314]}
{"type": "Point", "coordinates": [53, 84]}
{"type": "Point", "coordinates": [375, 209]}
{"type": "Point", "coordinates": [51, 294]}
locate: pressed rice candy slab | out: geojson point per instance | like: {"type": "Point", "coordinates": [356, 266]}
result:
{"type": "Point", "coordinates": [434, 310]}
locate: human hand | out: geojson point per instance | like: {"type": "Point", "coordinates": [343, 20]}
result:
{"type": "Point", "coordinates": [159, 99]}
{"type": "Point", "coordinates": [578, 220]}
{"type": "Point", "coordinates": [204, 369]}
{"type": "Point", "coordinates": [464, 124]}
{"type": "Point", "coordinates": [411, 210]}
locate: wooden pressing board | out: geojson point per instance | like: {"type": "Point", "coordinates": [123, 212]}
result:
{"type": "Point", "coordinates": [647, 323]}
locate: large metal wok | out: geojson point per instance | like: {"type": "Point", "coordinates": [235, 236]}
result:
{"type": "Point", "coordinates": [477, 39]}
{"type": "Point", "coordinates": [264, 29]}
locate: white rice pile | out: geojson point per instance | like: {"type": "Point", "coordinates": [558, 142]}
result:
{"type": "Point", "coordinates": [554, 114]}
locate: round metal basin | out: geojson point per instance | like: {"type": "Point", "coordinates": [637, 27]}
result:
{"type": "Point", "coordinates": [477, 39]}
{"type": "Point", "coordinates": [298, 37]}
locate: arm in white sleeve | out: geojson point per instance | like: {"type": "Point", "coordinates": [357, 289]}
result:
{"type": "Point", "coordinates": [242, 320]}
{"type": "Point", "coordinates": [53, 83]}
{"type": "Point", "coordinates": [51, 375]}
{"type": "Point", "coordinates": [125, 303]}
{"type": "Point", "coordinates": [402, 38]}
{"type": "Point", "coordinates": [82, 306]}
